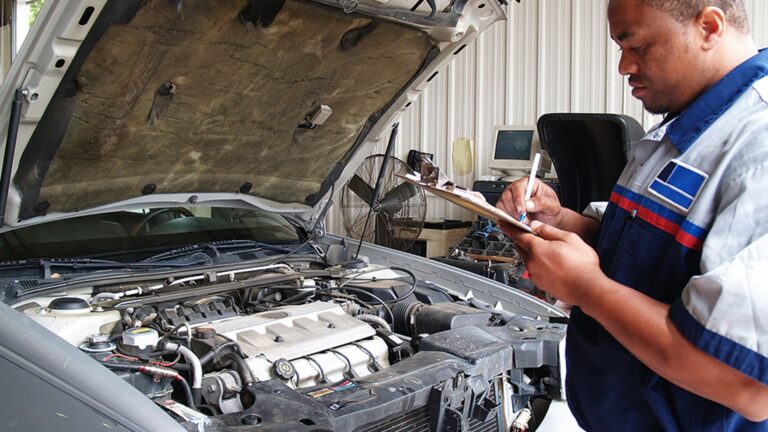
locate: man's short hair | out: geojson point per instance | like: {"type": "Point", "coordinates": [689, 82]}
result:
{"type": "Point", "coordinates": [684, 10]}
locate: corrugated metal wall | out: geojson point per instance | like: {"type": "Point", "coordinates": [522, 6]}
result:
{"type": "Point", "coordinates": [549, 56]}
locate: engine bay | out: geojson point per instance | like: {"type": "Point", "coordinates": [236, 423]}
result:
{"type": "Point", "coordinates": [327, 346]}
{"type": "Point", "coordinates": [164, 253]}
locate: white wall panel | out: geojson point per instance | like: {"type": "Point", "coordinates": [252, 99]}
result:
{"type": "Point", "coordinates": [555, 46]}
{"type": "Point", "coordinates": [522, 55]}
{"type": "Point", "coordinates": [588, 58]}
{"type": "Point", "coordinates": [549, 56]}
{"type": "Point", "coordinates": [758, 18]}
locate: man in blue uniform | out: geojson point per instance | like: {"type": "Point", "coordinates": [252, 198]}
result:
{"type": "Point", "coordinates": [669, 280]}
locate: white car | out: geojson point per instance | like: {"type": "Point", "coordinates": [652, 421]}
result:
{"type": "Point", "coordinates": [163, 260]}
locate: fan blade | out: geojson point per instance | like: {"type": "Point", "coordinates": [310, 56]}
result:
{"type": "Point", "coordinates": [382, 235]}
{"type": "Point", "coordinates": [361, 188]}
{"type": "Point", "coordinates": [393, 201]}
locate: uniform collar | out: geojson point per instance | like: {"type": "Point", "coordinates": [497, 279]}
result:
{"type": "Point", "coordinates": [708, 107]}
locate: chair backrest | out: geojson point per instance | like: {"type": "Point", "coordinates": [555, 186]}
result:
{"type": "Point", "coordinates": [589, 152]}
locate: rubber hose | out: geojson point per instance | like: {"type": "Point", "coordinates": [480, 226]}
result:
{"type": "Point", "coordinates": [245, 372]}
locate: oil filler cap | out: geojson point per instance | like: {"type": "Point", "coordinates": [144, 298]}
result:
{"type": "Point", "coordinates": [283, 369]}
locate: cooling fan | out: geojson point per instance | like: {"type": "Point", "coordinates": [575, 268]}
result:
{"type": "Point", "coordinates": [397, 216]}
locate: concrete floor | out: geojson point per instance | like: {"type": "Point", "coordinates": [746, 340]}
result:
{"type": "Point", "coordinates": [559, 419]}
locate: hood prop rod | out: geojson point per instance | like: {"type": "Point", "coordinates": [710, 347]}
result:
{"type": "Point", "coordinates": [374, 204]}
{"type": "Point", "coordinates": [10, 150]}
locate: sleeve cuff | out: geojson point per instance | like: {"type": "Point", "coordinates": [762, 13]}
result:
{"type": "Point", "coordinates": [727, 351]}
{"type": "Point", "coordinates": [595, 210]}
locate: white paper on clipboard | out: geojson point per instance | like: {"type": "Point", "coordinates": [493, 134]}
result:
{"type": "Point", "coordinates": [469, 200]}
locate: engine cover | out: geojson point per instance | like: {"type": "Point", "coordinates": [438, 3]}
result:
{"type": "Point", "coordinates": [293, 331]}
{"type": "Point", "coordinates": [354, 360]}
{"type": "Point", "coordinates": [321, 342]}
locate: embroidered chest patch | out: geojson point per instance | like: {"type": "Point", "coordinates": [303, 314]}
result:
{"type": "Point", "coordinates": [678, 184]}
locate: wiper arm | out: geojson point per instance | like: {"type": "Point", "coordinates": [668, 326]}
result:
{"type": "Point", "coordinates": [47, 264]}
{"type": "Point", "coordinates": [253, 244]}
{"type": "Point", "coordinates": [217, 247]}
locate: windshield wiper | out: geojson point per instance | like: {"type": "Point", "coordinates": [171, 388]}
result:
{"type": "Point", "coordinates": [92, 270]}
{"type": "Point", "coordinates": [218, 248]}
{"type": "Point", "coordinates": [47, 264]}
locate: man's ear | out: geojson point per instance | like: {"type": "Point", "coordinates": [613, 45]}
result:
{"type": "Point", "coordinates": [712, 24]}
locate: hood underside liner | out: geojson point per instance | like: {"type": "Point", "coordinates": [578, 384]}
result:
{"type": "Point", "coordinates": [206, 102]}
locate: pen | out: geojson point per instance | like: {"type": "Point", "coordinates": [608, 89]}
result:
{"type": "Point", "coordinates": [531, 179]}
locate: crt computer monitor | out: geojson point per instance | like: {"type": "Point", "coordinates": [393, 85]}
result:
{"type": "Point", "coordinates": [514, 148]}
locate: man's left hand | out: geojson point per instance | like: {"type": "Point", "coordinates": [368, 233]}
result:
{"type": "Point", "coordinates": [558, 262]}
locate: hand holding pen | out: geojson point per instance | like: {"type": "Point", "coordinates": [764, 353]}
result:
{"type": "Point", "coordinates": [530, 199]}
{"type": "Point", "coordinates": [531, 182]}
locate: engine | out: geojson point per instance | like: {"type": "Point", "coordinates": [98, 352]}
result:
{"type": "Point", "coordinates": [215, 342]}
{"type": "Point", "coordinates": [302, 346]}
{"type": "Point", "coordinates": [226, 341]}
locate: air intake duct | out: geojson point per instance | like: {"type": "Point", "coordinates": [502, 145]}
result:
{"type": "Point", "coordinates": [413, 317]}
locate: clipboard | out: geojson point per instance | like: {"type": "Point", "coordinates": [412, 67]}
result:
{"type": "Point", "coordinates": [469, 200]}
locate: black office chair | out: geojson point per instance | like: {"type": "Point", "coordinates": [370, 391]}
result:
{"type": "Point", "coordinates": [589, 151]}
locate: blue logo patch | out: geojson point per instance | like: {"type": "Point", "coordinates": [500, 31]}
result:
{"type": "Point", "coordinates": [678, 184]}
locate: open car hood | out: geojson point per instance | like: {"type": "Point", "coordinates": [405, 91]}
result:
{"type": "Point", "coordinates": [264, 103]}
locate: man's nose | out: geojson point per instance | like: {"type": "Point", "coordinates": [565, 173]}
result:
{"type": "Point", "coordinates": [627, 64]}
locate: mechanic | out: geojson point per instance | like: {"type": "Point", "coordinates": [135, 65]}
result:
{"type": "Point", "coordinates": [668, 329]}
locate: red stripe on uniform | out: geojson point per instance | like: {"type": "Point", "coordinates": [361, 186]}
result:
{"type": "Point", "coordinates": [652, 218]}
{"type": "Point", "coordinates": [689, 241]}
{"type": "Point", "coordinates": [660, 222]}
{"type": "Point", "coordinates": [625, 203]}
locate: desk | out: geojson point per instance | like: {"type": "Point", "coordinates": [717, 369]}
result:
{"type": "Point", "coordinates": [441, 236]}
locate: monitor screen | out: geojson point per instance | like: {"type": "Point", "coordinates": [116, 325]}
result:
{"type": "Point", "coordinates": [513, 145]}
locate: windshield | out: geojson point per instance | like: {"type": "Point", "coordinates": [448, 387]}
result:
{"type": "Point", "coordinates": [138, 234]}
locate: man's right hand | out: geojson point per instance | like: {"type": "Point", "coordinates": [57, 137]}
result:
{"type": "Point", "coordinates": [543, 206]}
